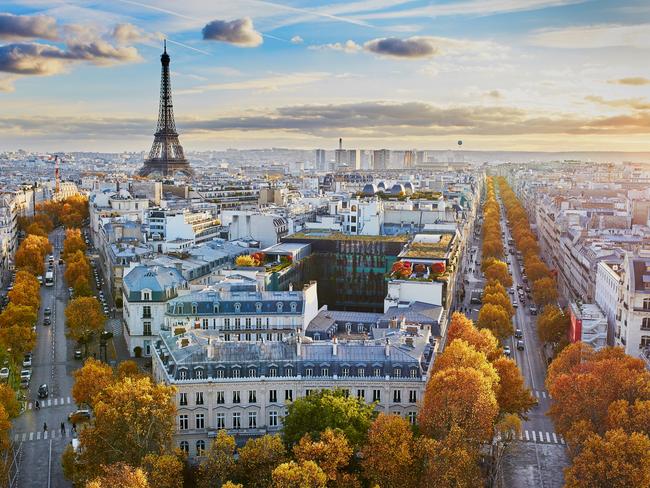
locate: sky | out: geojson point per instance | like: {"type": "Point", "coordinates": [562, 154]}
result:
{"type": "Point", "coordinates": [522, 75]}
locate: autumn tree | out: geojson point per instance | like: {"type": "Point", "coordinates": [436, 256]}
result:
{"type": "Point", "coordinates": [460, 354]}
{"type": "Point", "coordinates": [9, 401]}
{"type": "Point", "coordinates": [501, 300]}
{"type": "Point", "coordinates": [616, 460]}
{"type": "Point", "coordinates": [389, 457]}
{"type": "Point", "coordinates": [332, 452]}
{"type": "Point", "coordinates": [462, 397]}
{"type": "Point", "coordinates": [85, 319]}
{"type": "Point", "coordinates": [77, 268]}
{"type": "Point", "coordinates": [513, 397]}
{"type": "Point", "coordinates": [18, 315]}
{"type": "Point", "coordinates": [303, 475]}
{"type": "Point", "coordinates": [535, 268]}
{"type": "Point", "coordinates": [313, 414]}
{"type": "Point", "coordinates": [498, 271]}
{"type": "Point", "coordinates": [31, 253]}
{"type": "Point", "coordinates": [553, 325]}
{"type": "Point", "coordinates": [482, 340]}
{"type": "Point", "coordinates": [163, 470]}
{"type": "Point", "coordinates": [89, 380]}
{"type": "Point", "coordinates": [630, 417]}
{"type": "Point", "coordinates": [132, 418]}
{"type": "Point", "coordinates": [257, 460]}
{"type": "Point", "coordinates": [19, 339]}
{"type": "Point", "coordinates": [119, 474]}
{"type": "Point", "coordinates": [72, 243]}
{"type": "Point", "coordinates": [219, 463]}
{"type": "Point", "coordinates": [495, 319]}
{"type": "Point", "coordinates": [569, 358]}
{"type": "Point", "coordinates": [544, 291]}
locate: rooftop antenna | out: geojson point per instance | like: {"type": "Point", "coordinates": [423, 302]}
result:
{"type": "Point", "coordinates": [165, 46]}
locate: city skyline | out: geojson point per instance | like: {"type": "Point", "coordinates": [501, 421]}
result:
{"type": "Point", "coordinates": [526, 75]}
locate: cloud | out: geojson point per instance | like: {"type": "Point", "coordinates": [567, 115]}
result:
{"type": "Point", "coordinates": [129, 34]}
{"type": "Point", "coordinates": [348, 46]}
{"type": "Point", "coordinates": [7, 83]}
{"type": "Point", "coordinates": [297, 40]}
{"type": "Point", "coordinates": [632, 103]}
{"type": "Point", "coordinates": [411, 48]}
{"type": "Point", "coordinates": [270, 83]}
{"type": "Point", "coordinates": [494, 94]}
{"type": "Point", "coordinates": [19, 27]}
{"type": "Point", "coordinates": [44, 60]}
{"type": "Point", "coordinates": [239, 32]}
{"type": "Point", "coordinates": [594, 37]}
{"type": "Point", "coordinates": [632, 81]}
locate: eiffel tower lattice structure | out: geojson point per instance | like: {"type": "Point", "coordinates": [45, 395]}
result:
{"type": "Point", "coordinates": [166, 157]}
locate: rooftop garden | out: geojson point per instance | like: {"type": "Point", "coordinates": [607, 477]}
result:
{"type": "Point", "coordinates": [405, 270]}
{"type": "Point", "coordinates": [338, 236]}
{"type": "Point", "coordinates": [272, 263]}
{"type": "Point", "coordinates": [436, 250]}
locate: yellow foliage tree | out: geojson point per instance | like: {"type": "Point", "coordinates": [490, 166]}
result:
{"type": "Point", "coordinates": [303, 475]}
{"type": "Point", "coordinates": [496, 319]}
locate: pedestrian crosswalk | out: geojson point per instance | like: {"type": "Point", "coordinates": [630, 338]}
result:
{"type": "Point", "coordinates": [44, 435]}
{"type": "Point", "coordinates": [541, 437]}
{"type": "Point", "coordinates": [51, 402]}
{"type": "Point", "coordinates": [541, 394]}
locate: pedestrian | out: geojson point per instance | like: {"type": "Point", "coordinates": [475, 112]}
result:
{"type": "Point", "coordinates": [74, 427]}
{"type": "Point", "coordinates": [37, 405]}
{"type": "Point", "coordinates": [62, 428]}
{"type": "Point", "coordinates": [44, 427]}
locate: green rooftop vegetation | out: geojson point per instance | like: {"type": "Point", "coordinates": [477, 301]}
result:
{"type": "Point", "coordinates": [337, 236]}
{"type": "Point", "coordinates": [430, 249]}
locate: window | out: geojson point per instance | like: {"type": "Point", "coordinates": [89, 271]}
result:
{"type": "Point", "coordinates": [194, 308]}
{"type": "Point", "coordinates": [346, 392]}
{"type": "Point", "coordinates": [248, 322]}
{"type": "Point", "coordinates": [236, 420]}
{"type": "Point", "coordinates": [288, 371]}
{"type": "Point", "coordinates": [198, 373]}
{"type": "Point", "coordinates": [307, 392]}
{"type": "Point", "coordinates": [645, 324]}
{"type": "Point", "coordinates": [376, 395]}
{"type": "Point", "coordinates": [236, 397]}
{"type": "Point", "coordinates": [397, 396]}
{"type": "Point", "coordinates": [252, 396]}
{"type": "Point", "coordinates": [413, 396]}
{"type": "Point", "coordinates": [183, 422]}
{"type": "Point", "coordinates": [645, 341]}
{"type": "Point", "coordinates": [221, 421]}
{"type": "Point", "coordinates": [309, 372]}
{"type": "Point", "coordinates": [279, 306]}
{"type": "Point", "coordinates": [146, 328]}
{"type": "Point", "coordinates": [184, 446]}
{"type": "Point", "coordinates": [236, 373]}
{"type": "Point", "coordinates": [200, 447]}
{"type": "Point", "coordinates": [182, 399]}
{"type": "Point", "coordinates": [220, 373]}
{"type": "Point", "coordinates": [273, 418]}
{"type": "Point", "coordinates": [646, 304]}
{"type": "Point", "coordinates": [361, 394]}
{"type": "Point", "coordinates": [397, 372]}
{"type": "Point", "coordinates": [258, 323]}
{"type": "Point", "coordinates": [288, 395]}
{"type": "Point", "coordinates": [199, 398]}
{"type": "Point", "coordinates": [146, 296]}
{"type": "Point", "coordinates": [293, 305]}
{"type": "Point", "coordinates": [252, 420]}
{"type": "Point", "coordinates": [412, 417]}
{"type": "Point", "coordinates": [237, 307]}
{"type": "Point", "coordinates": [414, 373]}
{"type": "Point", "coordinates": [361, 372]}
{"type": "Point", "coordinates": [273, 372]}
{"type": "Point", "coordinates": [237, 323]}
{"type": "Point", "coordinates": [258, 307]}
{"type": "Point", "coordinates": [324, 372]}
{"type": "Point", "coordinates": [377, 371]}
{"type": "Point", "coordinates": [146, 312]}
{"type": "Point", "coordinates": [221, 397]}
{"type": "Point", "coordinates": [204, 324]}
{"type": "Point", "coordinates": [345, 372]}
{"type": "Point", "coordinates": [273, 396]}
{"type": "Point", "coordinates": [252, 372]}
{"type": "Point", "coordinates": [200, 420]}
{"type": "Point", "coordinates": [226, 324]}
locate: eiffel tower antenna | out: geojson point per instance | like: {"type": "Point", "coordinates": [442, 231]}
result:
{"type": "Point", "coordinates": [166, 156]}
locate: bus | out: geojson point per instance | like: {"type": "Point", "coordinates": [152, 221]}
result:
{"type": "Point", "coordinates": [49, 278]}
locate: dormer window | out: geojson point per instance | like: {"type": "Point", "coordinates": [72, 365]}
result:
{"type": "Point", "coordinates": [258, 307]}
{"type": "Point", "coordinates": [216, 308]}
{"type": "Point", "coordinates": [182, 374]}
{"type": "Point", "coordinates": [198, 373]}
{"type": "Point", "coordinates": [237, 307]}
{"type": "Point", "coordinates": [146, 295]}
{"type": "Point", "coordinates": [194, 308]}
{"type": "Point", "coordinates": [294, 306]}
{"type": "Point", "coordinates": [279, 306]}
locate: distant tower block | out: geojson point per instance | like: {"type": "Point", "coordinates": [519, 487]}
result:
{"type": "Point", "coordinates": [166, 157]}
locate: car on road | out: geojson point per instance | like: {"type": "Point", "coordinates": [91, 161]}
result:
{"type": "Point", "coordinates": [47, 321]}
{"type": "Point", "coordinates": [79, 414]}
{"type": "Point", "coordinates": [77, 354]}
{"type": "Point", "coordinates": [47, 312]}
{"type": "Point", "coordinates": [533, 310]}
{"type": "Point", "coordinates": [518, 333]}
{"type": "Point", "coordinates": [520, 345]}
{"type": "Point", "coordinates": [27, 361]}
{"type": "Point", "coordinates": [515, 304]}
{"type": "Point", "coordinates": [506, 350]}
{"type": "Point", "coordinates": [40, 279]}
{"type": "Point", "coordinates": [43, 391]}
{"type": "Point", "coordinates": [4, 373]}
{"type": "Point", "coordinates": [511, 291]}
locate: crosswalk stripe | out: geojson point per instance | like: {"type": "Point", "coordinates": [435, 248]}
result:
{"type": "Point", "coordinates": [38, 436]}
{"type": "Point", "coordinates": [31, 436]}
{"type": "Point", "coordinates": [527, 438]}
{"type": "Point", "coordinates": [548, 437]}
{"type": "Point", "coordinates": [534, 437]}
{"type": "Point", "coordinates": [56, 400]}
{"type": "Point", "coordinates": [554, 438]}
{"type": "Point", "coordinates": [561, 440]}
{"type": "Point", "coordinates": [541, 436]}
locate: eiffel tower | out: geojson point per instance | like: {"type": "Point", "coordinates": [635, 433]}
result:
{"type": "Point", "coordinates": [166, 156]}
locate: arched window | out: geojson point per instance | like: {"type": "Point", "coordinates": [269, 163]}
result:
{"type": "Point", "coordinates": [252, 372]}
{"type": "Point", "coordinates": [237, 307]}
{"type": "Point", "coordinates": [184, 446]}
{"type": "Point", "coordinates": [353, 208]}
{"type": "Point", "coordinates": [194, 308]}
{"type": "Point", "coordinates": [258, 307]}
{"type": "Point", "coordinates": [198, 373]}
{"type": "Point", "coordinates": [182, 374]}
{"type": "Point", "coordinates": [279, 306]}
{"type": "Point", "coordinates": [294, 305]}
{"type": "Point", "coordinates": [288, 371]}
{"type": "Point", "coordinates": [200, 447]}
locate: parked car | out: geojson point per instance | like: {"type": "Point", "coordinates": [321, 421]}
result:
{"type": "Point", "coordinates": [40, 279]}
{"type": "Point", "coordinates": [25, 373]}
{"type": "Point", "coordinates": [77, 354]}
{"type": "Point", "coordinates": [4, 373]}
{"type": "Point", "coordinates": [43, 391]}
{"type": "Point", "coordinates": [506, 350]}
{"type": "Point", "coordinates": [79, 414]}
{"type": "Point", "coordinates": [520, 345]}
{"type": "Point", "coordinates": [27, 361]}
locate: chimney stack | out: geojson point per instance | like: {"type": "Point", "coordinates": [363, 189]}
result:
{"type": "Point", "coordinates": [298, 346]}
{"type": "Point", "coordinates": [335, 347]}
{"type": "Point", "coordinates": [387, 348]}
{"type": "Point", "coordinates": [340, 143]}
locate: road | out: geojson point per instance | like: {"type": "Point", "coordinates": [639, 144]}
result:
{"type": "Point", "coordinates": [52, 364]}
{"type": "Point", "coordinates": [538, 457]}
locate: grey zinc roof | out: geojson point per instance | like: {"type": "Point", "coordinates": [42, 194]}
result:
{"type": "Point", "coordinates": [155, 278]}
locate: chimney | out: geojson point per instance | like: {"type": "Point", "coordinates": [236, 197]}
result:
{"type": "Point", "coordinates": [335, 347]}
{"type": "Point", "coordinates": [387, 348]}
{"type": "Point", "coordinates": [298, 346]}
{"type": "Point", "coordinates": [291, 286]}
{"type": "Point", "coordinates": [340, 143]}
{"type": "Point", "coordinates": [210, 349]}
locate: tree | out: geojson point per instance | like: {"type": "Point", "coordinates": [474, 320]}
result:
{"type": "Point", "coordinates": [257, 460]}
{"type": "Point", "coordinates": [163, 470]}
{"type": "Point", "coordinates": [461, 397]}
{"type": "Point", "coordinates": [536, 269]}
{"type": "Point", "coordinates": [246, 261]}
{"type": "Point", "coordinates": [501, 300]}
{"type": "Point", "coordinates": [128, 368]}
{"type": "Point", "coordinates": [513, 396]}
{"type": "Point", "coordinates": [120, 474]}
{"type": "Point", "coordinates": [9, 401]}
{"type": "Point", "coordinates": [219, 462]}
{"type": "Point", "coordinates": [630, 417]}
{"type": "Point", "coordinates": [389, 457]}
{"type": "Point", "coordinates": [498, 271]}
{"type": "Point", "coordinates": [77, 268]}
{"type": "Point", "coordinates": [459, 354]}
{"type": "Point", "coordinates": [18, 315]}
{"type": "Point", "coordinates": [36, 229]}
{"type": "Point", "coordinates": [133, 418]}
{"type": "Point", "coordinates": [24, 294]}
{"type": "Point", "coordinates": [552, 325]}
{"type": "Point", "coordinates": [617, 460]}
{"type": "Point", "coordinates": [570, 357]}
{"type": "Point", "coordinates": [493, 287]}
{"type": "Point", "coordinates": [495, 319]}
{"type": "Point", "coordinates": [544, 291]}
{"type": "Point", "coordinates": [303, 475]}
{"type": "Point", "coordinates": [85, 318]}
{"type": "Point", "coordinates": [331, 453]}
{"type": "Point", "coordinates": [480, 339]}
{"type": "Point", "coordinates": [72, 243]}
{"type": "Point", "coordinates": [89, 380]}
{"type": "Point", "coordinates": [327, 408]}
{"type": "Point", "coordinates": [19, 339]}
{"type": "Point", "coordinates": [31, 253]}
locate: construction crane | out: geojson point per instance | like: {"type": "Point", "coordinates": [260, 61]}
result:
{"type": "Point", "coordinates": [57, 173]}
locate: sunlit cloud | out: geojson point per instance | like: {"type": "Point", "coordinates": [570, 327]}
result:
{"type": "Point", "coordinates": [22, 27]}
{"type": "Point", "coordinates": [239, 32]}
